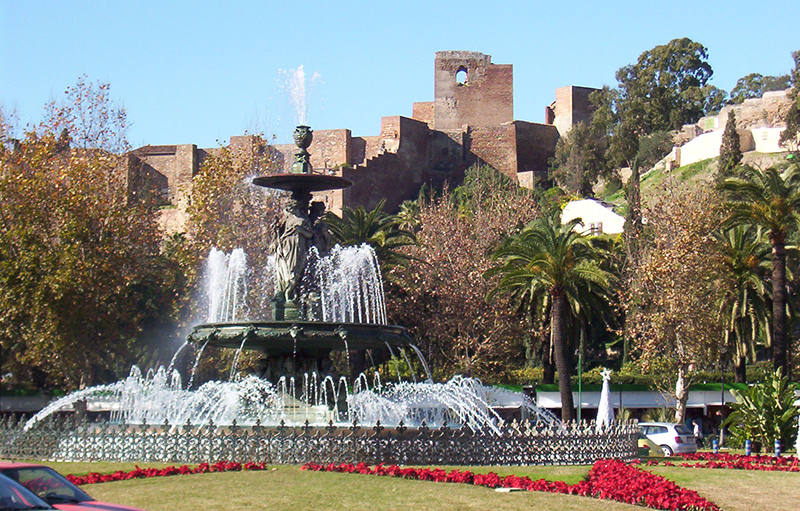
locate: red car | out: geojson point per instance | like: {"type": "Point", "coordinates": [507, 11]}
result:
{"type": "Point", "coordinates": [54, 488]}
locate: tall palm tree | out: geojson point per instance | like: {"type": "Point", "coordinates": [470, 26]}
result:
{"type": "Point", "coordinates": [745, 304]}
{"type": "Point", "coordinates": [551, 262]}
{"type": "Point", "coordinates": [769, 200]}
{"type": "Point", "coordinates": [378, 229]}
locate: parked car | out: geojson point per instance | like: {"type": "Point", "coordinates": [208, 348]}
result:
{"type": "Point", "coordinates": [672, 438]}
{"type": "Point", "coordinates": [15, 496]}
{"type": "Point", "coordinates": [648, 448]}
{"type": "Point", "coordinates": [54, 488]}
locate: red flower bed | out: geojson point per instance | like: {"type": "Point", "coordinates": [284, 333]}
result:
{"type": "Point", "coordinates": [608, 479]}
{"type": "Point", "coordinates": [140, 473]}
{"type": "Point", "coordinates": [737, 462]}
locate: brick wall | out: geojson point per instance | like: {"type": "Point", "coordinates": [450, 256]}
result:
{"type": "Point", "coordinates": [495, 146]}
{"type": "Point", "coordinates": [486, 96]}
{"type": "Point", "coordinates": [168, 169]}
{"type": "Point", "coordinates": [423, 112]}
{"type": "Point", "coordinates": [329, 149]}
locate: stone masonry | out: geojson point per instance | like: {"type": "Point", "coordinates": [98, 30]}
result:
{"type": "Point", "coordinates": [470, 120]}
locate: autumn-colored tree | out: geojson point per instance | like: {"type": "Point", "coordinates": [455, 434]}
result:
{"type": "Point", "coordinates": [441, 296]}
{"type": "Point", "coordinates": [88, 117]}
{"type": "Point", "coordinates": [81, 273]}
{"type": "Point", "coordinates": [670, 319]}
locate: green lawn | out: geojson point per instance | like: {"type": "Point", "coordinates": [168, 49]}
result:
{"type": "Point", "coordinates": [288, 487]}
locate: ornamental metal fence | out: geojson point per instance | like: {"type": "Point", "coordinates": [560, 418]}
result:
{"type": "Point", "coordinates": [515, 444]}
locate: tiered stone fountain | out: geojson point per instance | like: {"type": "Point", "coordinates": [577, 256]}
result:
{"type": "Point", "coordinates": [299, 340]}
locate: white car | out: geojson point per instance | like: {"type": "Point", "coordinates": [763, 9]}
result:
{"type": "Point", "coordinates": [672, 438]}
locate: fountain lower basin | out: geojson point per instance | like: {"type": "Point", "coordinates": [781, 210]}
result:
{"type": "Point", "coordinates": [301, 337]}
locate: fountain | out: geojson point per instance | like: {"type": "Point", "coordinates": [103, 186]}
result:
{"type": "Point", "coordinates": [309, 320]}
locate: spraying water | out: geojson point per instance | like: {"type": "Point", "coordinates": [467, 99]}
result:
{"type": "Point", "coordinates": [351, 291]}
{"type": "Point", "coordinates": [226, 285]}
{"type": "Point", "coordinates": [298, 89]}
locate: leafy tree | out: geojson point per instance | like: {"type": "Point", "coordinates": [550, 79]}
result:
{"type": "Point", "coordinates": [379, 230]}
{"type": "Point", "coordinates": [790, 136]}
{"type": "Point", "coordinates": [440, 298]}
{"type": "Point", "coordinates": [653, 148]}
{"type": "Point", "coordinates": [730, 151]}
{"type": "Point", "coordinates": [547, 258]}
{"type": "Point", "coordinates": [81, 272]}
{"type": "Point", "coordinates": [580, 160]}
{"type": "Point", "coordinates": [755, 85]}
{"type": "Point", "coordinates": [744, 305]}
{"type": "Point", "coordinates": [765, 412]}
{"type": "Point", "coordinates": [89, 117]}
{"type": "Point", "coordinates": [769, 200]}
{"type": "Point", "coordinates": [669, 323]}
{"type": "Point", "coordinates": [665, 89]}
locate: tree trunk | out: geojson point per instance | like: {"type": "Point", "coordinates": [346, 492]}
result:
{"type": "Point", "coordinates": [558, 328]}
{"type": "Point", "coordinates": [740, 369]}
{"type": "Point", "coordinates": [681, 395]}
{"type": "Point", "coordinates": [780, 359]}
{"type": "Point", "coordinates": [548, 367]}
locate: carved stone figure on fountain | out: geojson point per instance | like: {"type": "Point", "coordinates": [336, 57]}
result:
{"type": "Point", "coordinates": [319, 247]}
{"type": "Point", "coordinates": [293, 240]}
{"type": "Point", "coordinates": [322, 236]}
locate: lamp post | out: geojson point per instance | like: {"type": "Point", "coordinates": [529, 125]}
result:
{"type": "Point", "coordinates": [580, 374]}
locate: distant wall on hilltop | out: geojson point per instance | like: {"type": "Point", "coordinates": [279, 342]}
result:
{"type": "Point", "coordinates": [759, 122]}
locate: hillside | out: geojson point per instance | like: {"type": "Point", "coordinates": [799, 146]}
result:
{"type": "Point", "coordinates": [701, 171]}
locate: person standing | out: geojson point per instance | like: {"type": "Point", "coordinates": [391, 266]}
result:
{"type": "Point", "coordinates": [697, 430]}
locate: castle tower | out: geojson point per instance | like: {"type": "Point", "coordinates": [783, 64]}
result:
{"type": "Point", "coordinates": [572, 105]}
{"type": "Point", "coordinates": [470, 90]}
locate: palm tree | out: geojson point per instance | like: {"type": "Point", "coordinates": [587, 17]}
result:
{"type": "Point", "coordinates": [378, 229]}
{"type": "Point", "coordinates": [769, 200]}
{"type": "Point", "coordinates": [744, 305]}
{"type": "Point", "coordinates": [551, 262]}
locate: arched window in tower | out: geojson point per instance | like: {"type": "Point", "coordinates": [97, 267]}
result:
{"type": "Point", "coordinates": [461, 76]}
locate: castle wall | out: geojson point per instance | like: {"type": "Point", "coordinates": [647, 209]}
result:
{"type": "Point", "coordinates": [423, 112]}
{"type": "Point", "coordinates": [496, 146]}
{"type": "Point", "coordinates": [396, 170]}
{"type": "Point", "coordinates": [535, 146]}
{"type": "Point", "coordinates": [469, 121]}
{"type": "Point", "coordinates": [484, 98]}
{"type": "Point", "coordinates": [329, 149]}
{"type": "Point", "coordinates": [169, 169]}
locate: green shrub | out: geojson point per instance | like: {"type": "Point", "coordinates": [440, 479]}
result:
{"type": "Point", "coordinates": [764, 412]}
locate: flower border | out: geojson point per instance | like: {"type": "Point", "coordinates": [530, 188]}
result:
{"type": "Point", "coordinates": [141, 473]}
{"type": "Point", "coordinates": [608, 480]}
{"type": "Point", "coordinates": [734, 462]}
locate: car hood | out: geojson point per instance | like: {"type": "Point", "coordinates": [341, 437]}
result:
{"type": "Point", "coordinates": [94, 505]}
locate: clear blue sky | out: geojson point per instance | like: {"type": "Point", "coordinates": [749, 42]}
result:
{"type": "Point", "coordinates": [198, 72]}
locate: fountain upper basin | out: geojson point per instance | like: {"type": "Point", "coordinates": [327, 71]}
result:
{"type": "Point", "coordinates": [301, 337]}
{"type": "Point", "coordinates": [303, 182]}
